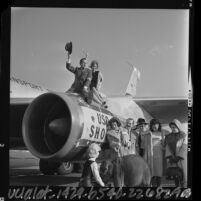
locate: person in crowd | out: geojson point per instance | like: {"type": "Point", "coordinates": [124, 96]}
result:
{"type": "Point", "coordinates": [118, 139]}
{"type": "Point", "coordinates": [133, 137]}
{"type": "Point", "coordinates": [95, 86]}
{"type": "Point", "coordinates": [158, 147]}
{"type": "Point", "coordinates": [176, 148]}
{"type": "Point", "coordinates": [145, 142]}
{"type": "Point", "coordinates": [90, 175]}
{"type": "Point", "coordinates": [83, 77]}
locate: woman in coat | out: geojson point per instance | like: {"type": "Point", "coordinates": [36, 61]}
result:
{"type": "Point", "coordinates": [157, 142]}
{"type": "Point", "coordinates": [176, 148]}
{"type": "Point", "coordinates": [117, 138]}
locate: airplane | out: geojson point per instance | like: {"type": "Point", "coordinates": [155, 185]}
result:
{"type": "Point", "coordinates": [58, 127]}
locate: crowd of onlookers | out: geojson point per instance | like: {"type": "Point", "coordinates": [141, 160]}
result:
{"type": "Point", "coordinates": [147, 140]}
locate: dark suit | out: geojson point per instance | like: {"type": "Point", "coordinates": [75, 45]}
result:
{"type": "Point", "coordinates": [83, 77]}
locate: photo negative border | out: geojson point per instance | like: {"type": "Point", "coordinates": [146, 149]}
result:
{"type": "Point", "coordinates": [131, 193]}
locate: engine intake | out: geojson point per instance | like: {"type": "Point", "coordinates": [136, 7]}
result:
{"type": "Point", "coordinates": [51, 126]}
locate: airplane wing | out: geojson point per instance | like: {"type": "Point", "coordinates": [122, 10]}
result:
{"type": "Point", "coordinates": [20, 101]}
{"type": "Point", "coordinates": [17, 109]}
{"type": "Point", "coordinates": [165, 109]}
{"type": "Point", "coordinates": [21, 95]}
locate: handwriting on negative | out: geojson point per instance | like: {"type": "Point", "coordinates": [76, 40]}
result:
{"type": "Point", "coordinates": [48, 193]}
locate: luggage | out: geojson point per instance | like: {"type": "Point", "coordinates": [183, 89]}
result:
{"type": "Point", "coordinates": [176, 174]}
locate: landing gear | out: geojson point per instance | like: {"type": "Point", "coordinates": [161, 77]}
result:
{"type": "Point", "coordinates": [78, 167]}
{"type": "Point", "coordinates": [48, 167]}
{"type": "Point", "coordinates": [51, 167]}
{"type": "Point", "coordinates": [65, 168]}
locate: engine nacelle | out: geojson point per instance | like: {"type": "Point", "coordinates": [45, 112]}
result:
{"type": "Point", "coordinates": [60, 126]}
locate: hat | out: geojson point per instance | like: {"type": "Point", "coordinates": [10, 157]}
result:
{"type": "Point", "coordinates": [141, 121]}
{"type": "Point", "coordinates": [69, 47]}
{"type": "Point", "coordinates": [114, 119]}
{"type": "Point", "coordinates": [177, 123]}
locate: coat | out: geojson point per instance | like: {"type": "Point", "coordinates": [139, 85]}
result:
{"type": "Point", "coordinates": [83, 77]}
{"type": "Point", "coordinates": [158, 141]}
{"type": "Point", "coordinates": [133, 139]}
{"type": "Point", "coordinates": [97, 79]}
{"type": "Point", "coordinates": [95, 86]}
{"type": "Point", "coordinates": [147, 146]}
{"type": "Point", "coordinates": [176, 145]}
{"type": "Point", "coordinates": [117, 139]}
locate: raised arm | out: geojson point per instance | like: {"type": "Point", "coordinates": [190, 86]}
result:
{"type": "Point", "coordinates": [68, 65]}
{"type": "Point", "coordinates": [125, 138]}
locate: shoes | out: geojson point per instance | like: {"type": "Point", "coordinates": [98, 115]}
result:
{"type": "Point", "coordinates": [104, 104]}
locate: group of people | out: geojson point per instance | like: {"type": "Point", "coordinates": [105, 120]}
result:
{"type": "Point", "coordinates": [88, 81]}
{"type": "Point", "coordinates": [149, 141]}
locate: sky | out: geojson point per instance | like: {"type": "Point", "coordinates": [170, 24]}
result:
{"type": "Point", "coordinates": [154, 40]}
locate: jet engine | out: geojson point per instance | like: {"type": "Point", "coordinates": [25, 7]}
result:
{"type": "Point", "coordinates": [59, 126]}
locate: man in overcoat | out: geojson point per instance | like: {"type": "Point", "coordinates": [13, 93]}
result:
{"type": "Point", "coordinates": [83, 77]}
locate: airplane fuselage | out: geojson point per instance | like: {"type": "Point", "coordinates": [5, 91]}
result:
{"type": "Point", "coordinates": [60, 126]}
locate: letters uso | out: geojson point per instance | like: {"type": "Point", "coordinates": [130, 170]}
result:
{"type": "Point", "coordinates": [98, 129]}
